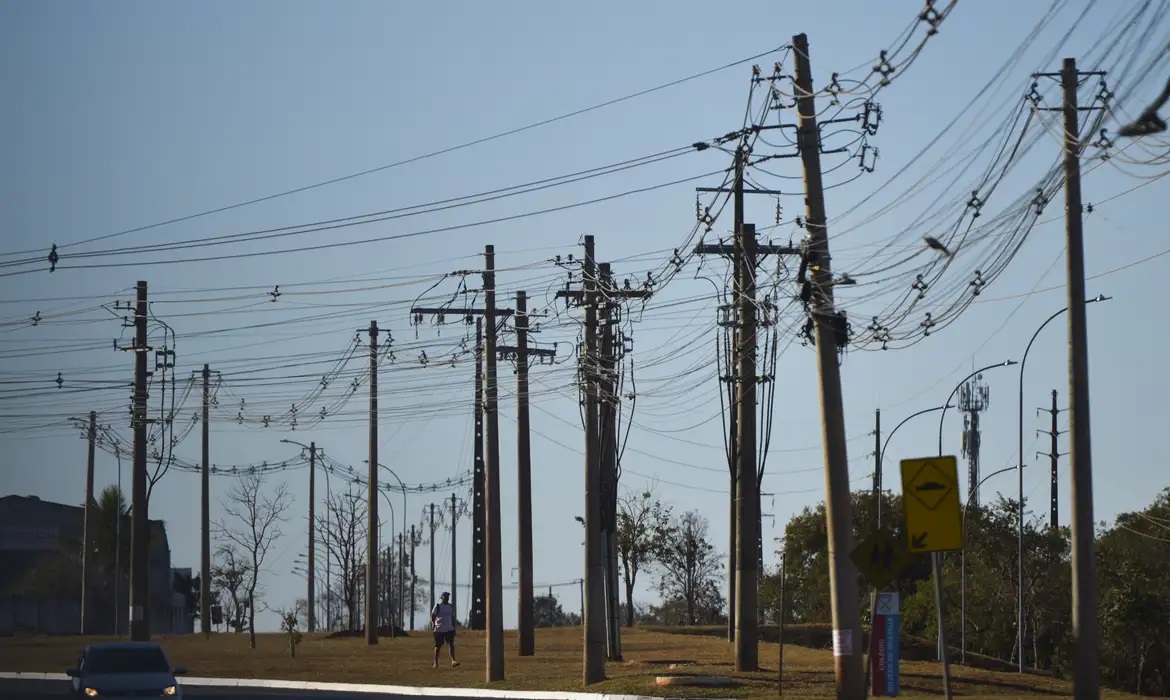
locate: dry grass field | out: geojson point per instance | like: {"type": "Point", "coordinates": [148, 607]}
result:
{"type": "Point", "coordinates": [557, 665]}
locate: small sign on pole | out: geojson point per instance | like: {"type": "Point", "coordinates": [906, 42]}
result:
{"type": "Point", "coordinates": [883, 661]}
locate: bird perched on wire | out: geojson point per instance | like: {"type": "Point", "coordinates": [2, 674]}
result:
{"type": "Point", "coordinates": [1148, 122]}
{"type": "Point", "coordinates": [936, 244]}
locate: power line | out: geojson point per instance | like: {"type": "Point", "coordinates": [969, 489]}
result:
{"type": "Point", "coordinates": [418, 158]}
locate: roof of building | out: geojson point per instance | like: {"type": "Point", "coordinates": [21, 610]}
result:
{"type": "Point", "coordinates": [32, 512]}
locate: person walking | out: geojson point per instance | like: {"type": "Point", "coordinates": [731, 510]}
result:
{"type": "Point", "coordinates": [443, 622]}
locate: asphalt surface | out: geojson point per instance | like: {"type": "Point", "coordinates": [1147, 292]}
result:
{"type": "Point", "coordinates": [32, 689]}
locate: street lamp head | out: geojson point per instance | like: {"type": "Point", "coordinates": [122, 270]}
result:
{"type": "Point", "coordinates": [1009, 363]}
{"type": "Point", "coordinates": [1099, 297]}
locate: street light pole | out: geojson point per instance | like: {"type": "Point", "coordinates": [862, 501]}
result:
{"type": "Point", "coordinates": [1020, 484]}
{"type": "Point", "coordinates": [963, 569]}
{"type": "Point", "coordinates": [311, 578]}
{"type": "Point", "coordinates": [882, 454]}
{"type": "Point", "coordinates": [390, 505]}
{"type": "Point", "coordinates": [402, 486]}
{"type": "Point", "coordinates": [936, 558]}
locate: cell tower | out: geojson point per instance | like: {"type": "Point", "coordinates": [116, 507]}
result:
{"type": "Point", "coordinates": [974, 398]}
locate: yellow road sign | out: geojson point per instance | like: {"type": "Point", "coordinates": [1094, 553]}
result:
{"type": "Point", "coordinates": [930, 500]}
{"type": "Point", "coordinates": [881, 557]}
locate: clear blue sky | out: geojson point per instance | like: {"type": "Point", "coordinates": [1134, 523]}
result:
{"type": "Point", "coordinates": [131, 113]}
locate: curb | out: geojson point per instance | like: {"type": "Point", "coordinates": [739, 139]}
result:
{"type": "Point", "coordinates": [365, 688]}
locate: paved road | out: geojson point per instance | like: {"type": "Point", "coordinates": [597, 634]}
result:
{"type": "Point", "coordinates": [33, 690]}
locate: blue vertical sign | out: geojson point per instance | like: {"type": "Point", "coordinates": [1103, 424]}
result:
{"type": "Point", "coordinates": [888, 618]}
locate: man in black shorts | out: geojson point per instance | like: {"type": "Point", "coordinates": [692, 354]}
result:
{"type": "Point", "coordinates": [443, 622]}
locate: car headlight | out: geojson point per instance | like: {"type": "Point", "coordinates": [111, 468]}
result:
{"type": "Point", "coordinates": [91, 692]}
{"type": "Point", "coordinates": [170, 690]}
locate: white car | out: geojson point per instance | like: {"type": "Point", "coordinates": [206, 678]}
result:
{"type": "Point", "coordinates": [125, 669]}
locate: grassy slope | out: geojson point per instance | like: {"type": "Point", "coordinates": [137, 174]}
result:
{"type": "Point", "coordinates": [557, 666]}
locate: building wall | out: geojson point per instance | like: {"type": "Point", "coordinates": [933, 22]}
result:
{"type": "Point", "coordinates": [29, 525]}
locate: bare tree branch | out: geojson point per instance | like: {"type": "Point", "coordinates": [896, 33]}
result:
{"type": "Point", "coordinates": [253, 525]}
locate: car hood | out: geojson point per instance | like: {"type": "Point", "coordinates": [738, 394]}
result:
{"type": "Point", "coordinates": [128, 681]}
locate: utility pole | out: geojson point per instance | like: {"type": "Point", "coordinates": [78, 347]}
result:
{"type": "Point", "coordinates": [87, 548]}
{"type": "Point", "coordinates": [372, 497]}
{"type": "Point", "coordinates": [495, 578]}
{"type": "Point", "coordinates": [312, 572]}
{"type": "Point", "coordinates": [413, 546]}
{"type": "Point", "coordinates": [593, 582]}
{"type": "Point", "coordinates": [607, 444]}
{"type": "Point", "coordinates": [733, 470]}
{"type": "Point", "coordinates": [593, 621]}
{"type": "Point", "coordinates": [597, 366]}
{"type": "Point", "coordinates": [520, 353]}
{"type": "Point", "coordinates": [139, 518]}
{"type": "Point", "coordinates": [877, 464]}
{"type": "Point", "coordinates": [830, 336]}
{"type": "Point", "coordinates": [1054, 455]}
{"type": "Point", "coordinates": [432, 579]}
{"type": "Point", "coordinates": [612, 349]}
{"type": "Point", "coordinates": [205, 516]}
{"type": "Point", "coordinates": [401, 579]}
{"type": "Point", "coordinates": [454, 558]}
{"type": "Point", "coordinates": [477, 618]}
{"type": "Point", "coordinates": [745, 561]}
{"type": "Point", "coordinates": [747, 492]}
{"type": "Point", "coordinates": [480, 496]}
{"type": "Point", "coordinates": [1086, 654]}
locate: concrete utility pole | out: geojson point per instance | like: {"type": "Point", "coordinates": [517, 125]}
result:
{"type": "Point", "coordinates": [401, 579]}
{"type": "Point", "coordinates": [372, 497]}
{"type": "Point", "coordinates": [87, 537]}
{"type": "Point", "coordinates": [1054, 455]}
{"type": "Point", "coordinates": [829, 338]}
{"type": "Point", "coordinates": [520, 353]}
{"type": "Point", "coordinates": [454, 559]}
{"type": "Point", "coordinates": [746, 529]}
{"type": "Point", "coordinates": [877, 465]}
{"type": "Point", "coordinates": [607, 442]}
{"type": "Point", "coordinates": [431, 507]}
{"type": "Point", "coordinates": [139, 517]}
{"type": "Point", "coordinates": [495, 577]}
{"type": "Point", "coordinates": [477, 619]}
{"type": "Point", "coordinates": [312, 569]}
{"type": "Point", "coordinates": [612, 349]}
{"type": "Point", "coordinates": [413, 546]}
{"type": "Point", "coordinates": [526, 633]}
{"type": "Point", "coordinates": [1086, 654]}
{"type": "Point", "coordinates": [593, 583]}
{"type": "Point", "coordinates": [597, 369]}
{"type": "Point", "coordinates": [747, 634]}
{"type": "Point", "coordinates": [205, 515]}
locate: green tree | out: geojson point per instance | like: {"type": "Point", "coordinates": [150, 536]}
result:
{"type": "Point", "coordinates": [643, 527]}
{"type": "Point", "coordinates": [806, 547]}
{"type": "Point", "coordinates": [1134, 585]}
{"type": "Point", "coordinates": [690, 570]}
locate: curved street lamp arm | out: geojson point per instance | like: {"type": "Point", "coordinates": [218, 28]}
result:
{"type": "Point", "coordinates": [941, 418]}
{"type": "Point", "coordinates": [890, 435]}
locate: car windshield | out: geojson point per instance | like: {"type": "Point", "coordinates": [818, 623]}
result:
{"type": "Point", "coordinates": [140, 660]}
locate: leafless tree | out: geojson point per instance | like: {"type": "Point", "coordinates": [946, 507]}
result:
{"type": "Point", "coordinates": [342, 532]}
{"type": "Point", "coordinates": [253, 526]}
